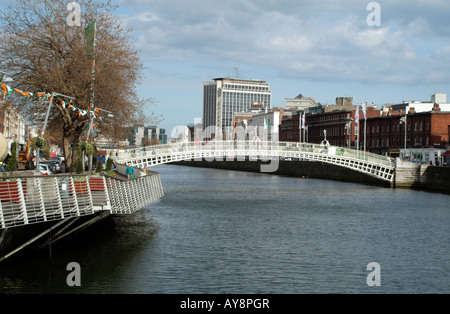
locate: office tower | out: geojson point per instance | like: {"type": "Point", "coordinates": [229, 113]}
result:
{"type": "Point", "coordinates": [224, 96]}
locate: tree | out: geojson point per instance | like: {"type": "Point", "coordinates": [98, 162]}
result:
{"type": "Point", "coordinates": [12, 160]}
{"type": "Point", "coordinates": [45, 53]}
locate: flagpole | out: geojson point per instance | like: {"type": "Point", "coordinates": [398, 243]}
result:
{"type": "Point", "coordinates": [304, 127]}
{"type": "Point", "coordinates": [93, 85]}
{"type": "Point", "coordinates": [299, 127]}
{"type": "Point", "coordinates": [357, 121]}
{"type": "Point", "coordinates": [365, 122]}
{"type": "Point", "coordinates": [91, 113]}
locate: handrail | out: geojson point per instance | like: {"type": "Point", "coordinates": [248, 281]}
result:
{"type": "Point", "coordinates": [28, 199]}
{"type": "Point", "coordinates": [273, 148]}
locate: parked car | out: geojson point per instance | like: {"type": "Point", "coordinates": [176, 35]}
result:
{"type": "Point", "coordinates": [59, 164]}
{"type": "Point", "coordinates": [50, 165]}
{"type": "Point", "coordinates": [44, 169]}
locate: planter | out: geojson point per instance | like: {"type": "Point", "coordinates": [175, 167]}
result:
{"type": "Point", "coordinates": [9, 191]}
{"type": "Point", "coordinates": [81, 187]}
{"type": "Point", "coordinates": [96, 184]}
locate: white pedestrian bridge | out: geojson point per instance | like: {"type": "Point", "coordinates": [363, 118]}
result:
{"type": "Point", "coordinates": [378, 166]}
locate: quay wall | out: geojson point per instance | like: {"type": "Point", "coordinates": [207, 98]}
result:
{"type": "Point", "coordinates": [407, 174]}
{"type": "Point", "coordinates": [302, 168]}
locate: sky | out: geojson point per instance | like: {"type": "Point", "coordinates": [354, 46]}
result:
{"type": "Point", "coordinates": [322, 49]}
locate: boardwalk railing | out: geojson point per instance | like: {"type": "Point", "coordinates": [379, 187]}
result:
{"type": "Point", "coordinates": [375, 165]}
{"type": "Point", "coordinates": [35, 199]}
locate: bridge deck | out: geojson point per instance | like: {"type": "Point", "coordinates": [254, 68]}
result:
{"type": "Point", "coordinates": [381, 167]}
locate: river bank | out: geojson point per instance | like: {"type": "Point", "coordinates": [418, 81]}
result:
{"type": "Point", "coordinates": [421, 177]}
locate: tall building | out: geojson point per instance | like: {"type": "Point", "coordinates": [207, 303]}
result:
{"type": "Point", "coordinates": [224, 96]}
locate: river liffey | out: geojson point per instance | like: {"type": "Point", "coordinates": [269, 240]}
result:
{"type": "Point", "coordinates": [229, 232]}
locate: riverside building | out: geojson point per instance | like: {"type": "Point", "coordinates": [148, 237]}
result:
{"type": "Point", "coordinates": [222, 97]}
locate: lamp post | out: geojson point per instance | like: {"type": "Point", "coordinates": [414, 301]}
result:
{"type": "Point", "coordinates": [348, 127]}
{"type": "Point", "coordinates": [403, 120]}
{"type": "Point", "coordinates": [45, 123]}
{"type": "Point", "coordinates": [91, 130]}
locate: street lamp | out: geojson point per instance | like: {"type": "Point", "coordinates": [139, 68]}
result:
{"type": "Point", "coordinates": [403, 120]}
{"type": "Point", "coordinates": [348, 127]}
{"type": "Point", "coordinates": [45, 123]}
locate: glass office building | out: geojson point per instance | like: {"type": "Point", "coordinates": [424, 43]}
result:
{"type": "Point", "coordinates": [224, 96]}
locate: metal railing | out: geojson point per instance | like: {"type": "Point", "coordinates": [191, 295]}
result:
{"type": "Point", "coordinates": [373, 164]}
{"type": "Point", "coordinates": [35, 199]}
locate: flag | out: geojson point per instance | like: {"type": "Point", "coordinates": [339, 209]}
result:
{"type": "Point", "coordinates": [268, 123]}
{"type": "Point", "coordinates": [6, 89]}
{"type": "Point", "coordinates": [364, 108]}
{"type": "Point", "coordinates": [304, 121]}
{"type": "Point", "coordinates": [89, 34]}
{"type": "Point", "coordinates": [357, 114]}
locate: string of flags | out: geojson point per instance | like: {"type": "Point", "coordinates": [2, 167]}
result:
{"type": "Point", "coordinates": [7, 90]}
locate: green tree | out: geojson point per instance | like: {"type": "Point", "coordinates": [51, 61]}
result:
{"type": "Point", "coordinates": [99, 167]}
{"type": "Point", "coordinates": [12, 161]}
{"type": "Point", "coordinates": [109, 164]}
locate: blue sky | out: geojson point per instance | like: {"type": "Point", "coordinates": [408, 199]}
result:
{"type": "Point", "coordinates": [322, 49]}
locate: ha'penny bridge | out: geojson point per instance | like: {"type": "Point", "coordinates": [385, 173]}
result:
{"type": "Point", "coordinates": [377, 166]}
{"type": "Point", "coordinates": [64, 204]}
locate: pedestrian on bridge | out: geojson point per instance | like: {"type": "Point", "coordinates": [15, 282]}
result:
{"type": "Point", "coordinates": [130, 171]}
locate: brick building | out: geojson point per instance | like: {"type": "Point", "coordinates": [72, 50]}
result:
{"type": "Point", "coordinates": [337, 121]}
{"type": "Point", "coordinates": [427, 134]}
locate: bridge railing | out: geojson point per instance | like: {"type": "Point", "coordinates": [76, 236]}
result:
{"type": "Point", "coordinates": [273, 149]}
{"type": "Point", "coordinates": [35, 198]}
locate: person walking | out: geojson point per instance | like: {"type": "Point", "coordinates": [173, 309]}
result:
{"type": "Point", "coordinates": [130, 171]}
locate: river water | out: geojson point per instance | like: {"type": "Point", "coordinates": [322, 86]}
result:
{"type": "Point", "coordinates": [226, 232]}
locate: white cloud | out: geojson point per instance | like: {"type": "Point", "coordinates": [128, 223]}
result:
{"type": "Point", "coordinates": [315, 40]}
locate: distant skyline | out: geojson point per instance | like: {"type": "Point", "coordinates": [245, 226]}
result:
{"type": "Point", "coordinates": [322, 49]}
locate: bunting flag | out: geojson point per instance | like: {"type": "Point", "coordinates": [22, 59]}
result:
{"type": "Point", "coordinates": [6, 89]}
{"type": "Point", "coordinates": [268, 123]}
{"type": "Point", "coordinates": [304, 121]}
{"type": "Point", "coordinates": [81, 112]}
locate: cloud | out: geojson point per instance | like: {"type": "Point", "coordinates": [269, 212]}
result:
{"type": "Point", "coordinates": [315, 40]}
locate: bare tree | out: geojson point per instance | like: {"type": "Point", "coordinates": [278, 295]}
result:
{"type": "Point", "coordinates": [45, 53]}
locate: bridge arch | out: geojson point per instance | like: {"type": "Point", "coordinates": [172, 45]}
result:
{"type": "Point", "coordinates": [377, 166]}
